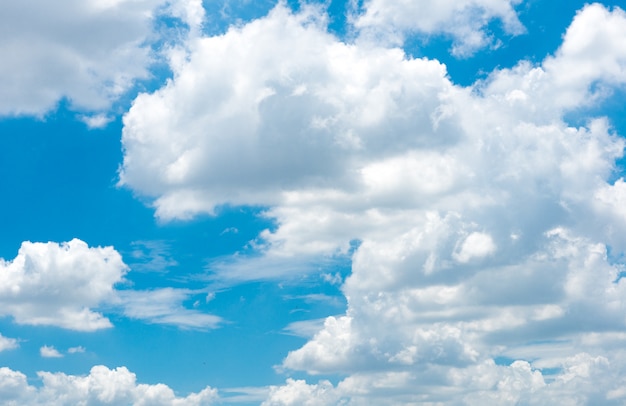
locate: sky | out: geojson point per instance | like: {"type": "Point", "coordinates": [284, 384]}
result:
{"type": "Point", "coordinates": [358, 202]}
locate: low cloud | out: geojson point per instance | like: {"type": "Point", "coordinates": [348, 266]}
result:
{"type": "Point", "coordinates": [102, 386]}
{"type": "Point", "coordinates": [49, 352]}
{"type": "Point", "coordinates": [69, 285]}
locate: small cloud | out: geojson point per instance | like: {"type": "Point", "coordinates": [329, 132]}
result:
{"type": "Point", "coordinates": [304, 328]}
{"type": "Point", "coordinates": [76, 350]}
{"type": "Point", "coordinates": [97, 121]}
{"type": "Point", "coordinates": [165, 306]}
{"type": "Point", "coordinates": [152, 256]}
{"type": "Point", "coordinates": [209, 296]}
{"type": "Point", "coordinates": [49, 352]}
{"type": "Point", "coordinates": [8, 343]}
{"type": "Point", "coordinates": [230, 230]}
{"type": "Point", "coordinates": [333, 279]}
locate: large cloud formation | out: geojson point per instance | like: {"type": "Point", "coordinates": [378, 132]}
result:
{"type": "Point", "coordinates": [87, 51]}
{"type": "Point", "coordinates": [103, 386]}
{"type": "Point", "coordinates": [489, 228]}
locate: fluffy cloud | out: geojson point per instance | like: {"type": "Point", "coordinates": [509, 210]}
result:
{"type": "Point", "coordinates": [65, 284]}
{"type": "Point", "coordinates": [482, 217]}
{"type": "Point", "coordinates": [583, 380]}
{"type": "Point", "coordinates": [49, 352]}
{"type": "Point", "coordinates": [7, 343]}
{"type": "Point", "coordinates": [47, 56]}
{"type": "Point", "coordinates": [464, 20]}
{"type": "Point", "coordinates": [102, 386]}
{"type": "Point", "coordinates": [293, 116]}
{"type": "Point", "coordinates": [59, 284]}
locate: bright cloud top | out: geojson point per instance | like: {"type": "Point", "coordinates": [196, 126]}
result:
{"type": "Point", "coordinates": [102, 386]}
{"type": "Point", "coordinates": [47, 55]}
{"type": "Point", "coordinates": [472, 205]}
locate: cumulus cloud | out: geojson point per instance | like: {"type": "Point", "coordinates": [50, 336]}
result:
{"type": "Point", "coordinates": [464, 21]}
{"type": "Point", "coordinates": [482, 216]}
{"type": "Point", "coordinates": [59, 284]}
{"type": "Point", "coordinates": [47, 56]}
{"type": "Point", "coordinates": [7, 343]}
{"type": "Point", "coordinates": [103, 386]}
{"type": "Point", "coordinates": [68, 285]}
{"type": "Point", "coordinates": [49, 352]}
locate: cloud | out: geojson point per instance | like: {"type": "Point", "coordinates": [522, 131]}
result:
{"type": "Point", "coordinates": [103, 386]}
{"type": "Point", "coordinates": [8, 343]}
{"type": "Point", "coordinates": [476, 245]}
{"type": "Point", "coordinates": [49, 352]}
{"type": "Point", "coordinates": [64, 285]}
{"type": "Point", "coordinates": [477, 218]}
{"type": "Point", "coordinates": [47, 57]}
{"type": "Point", "coordinates": [164, 306]}
{"type": "Point", "coordinates": [304, 328]}
{"type": "Point", "coordinates": [59, 284]}
{"type": "Point", "coordinates": [151, 256]}
{"type": "Point", "coordinates": [76, 350]}
{"type": "Point", "coordinates": [465, 21]}
{"type": "Point", "coordinates": [96, 121]}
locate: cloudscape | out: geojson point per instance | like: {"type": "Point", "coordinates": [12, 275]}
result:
{"type": "Point", "coordinates": [312, 202]}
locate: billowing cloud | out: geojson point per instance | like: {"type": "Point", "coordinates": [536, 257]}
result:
{"type": "Point", "coordinates": [103, 386]}
{"type": "Point", "coordinates": [59, 284]}
{"type": "Point", "coordinates": [482, 216]}
{"type": "Point", "coordinates": [88, 52]}
{"type": "Point", "coordinates": [465, 21]}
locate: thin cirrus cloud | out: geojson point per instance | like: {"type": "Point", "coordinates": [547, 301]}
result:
{"type": "Point", "coordinates": [465, 21]}
{"type": "Point", "coordinates": [471, 204]}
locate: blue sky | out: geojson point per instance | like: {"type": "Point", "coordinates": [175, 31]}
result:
{"type": "Point", "coordinates": [284, 203]}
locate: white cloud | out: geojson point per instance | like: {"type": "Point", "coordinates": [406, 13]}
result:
{"type": "Point", "coordinates": [49, 352]}
{"type": "Point", "coordinates": [103, 386]}
{"type": "Point", "coordinates": [164, 306]}
{"type": "Point", "coordinates": [76, 350]}
{"type": "Point", "coordinates": [298, 392]}
{"type": "Point", "coordinates": [478, 210]}
{"type": "Point", "coordinates": [96, 121]}
{"type": "Point", "coordinates": [8, 343]}
{"type": "Point", "coordinates": [464, 20]}
{"type": "Point", "coordinates": [65, 285]}
{"type": "Point", "coordinates": [87, 51]}
{"type": "Point", "coordinates": [304, 328]}
{"type": "Point", "coordinates": [59, 284]}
